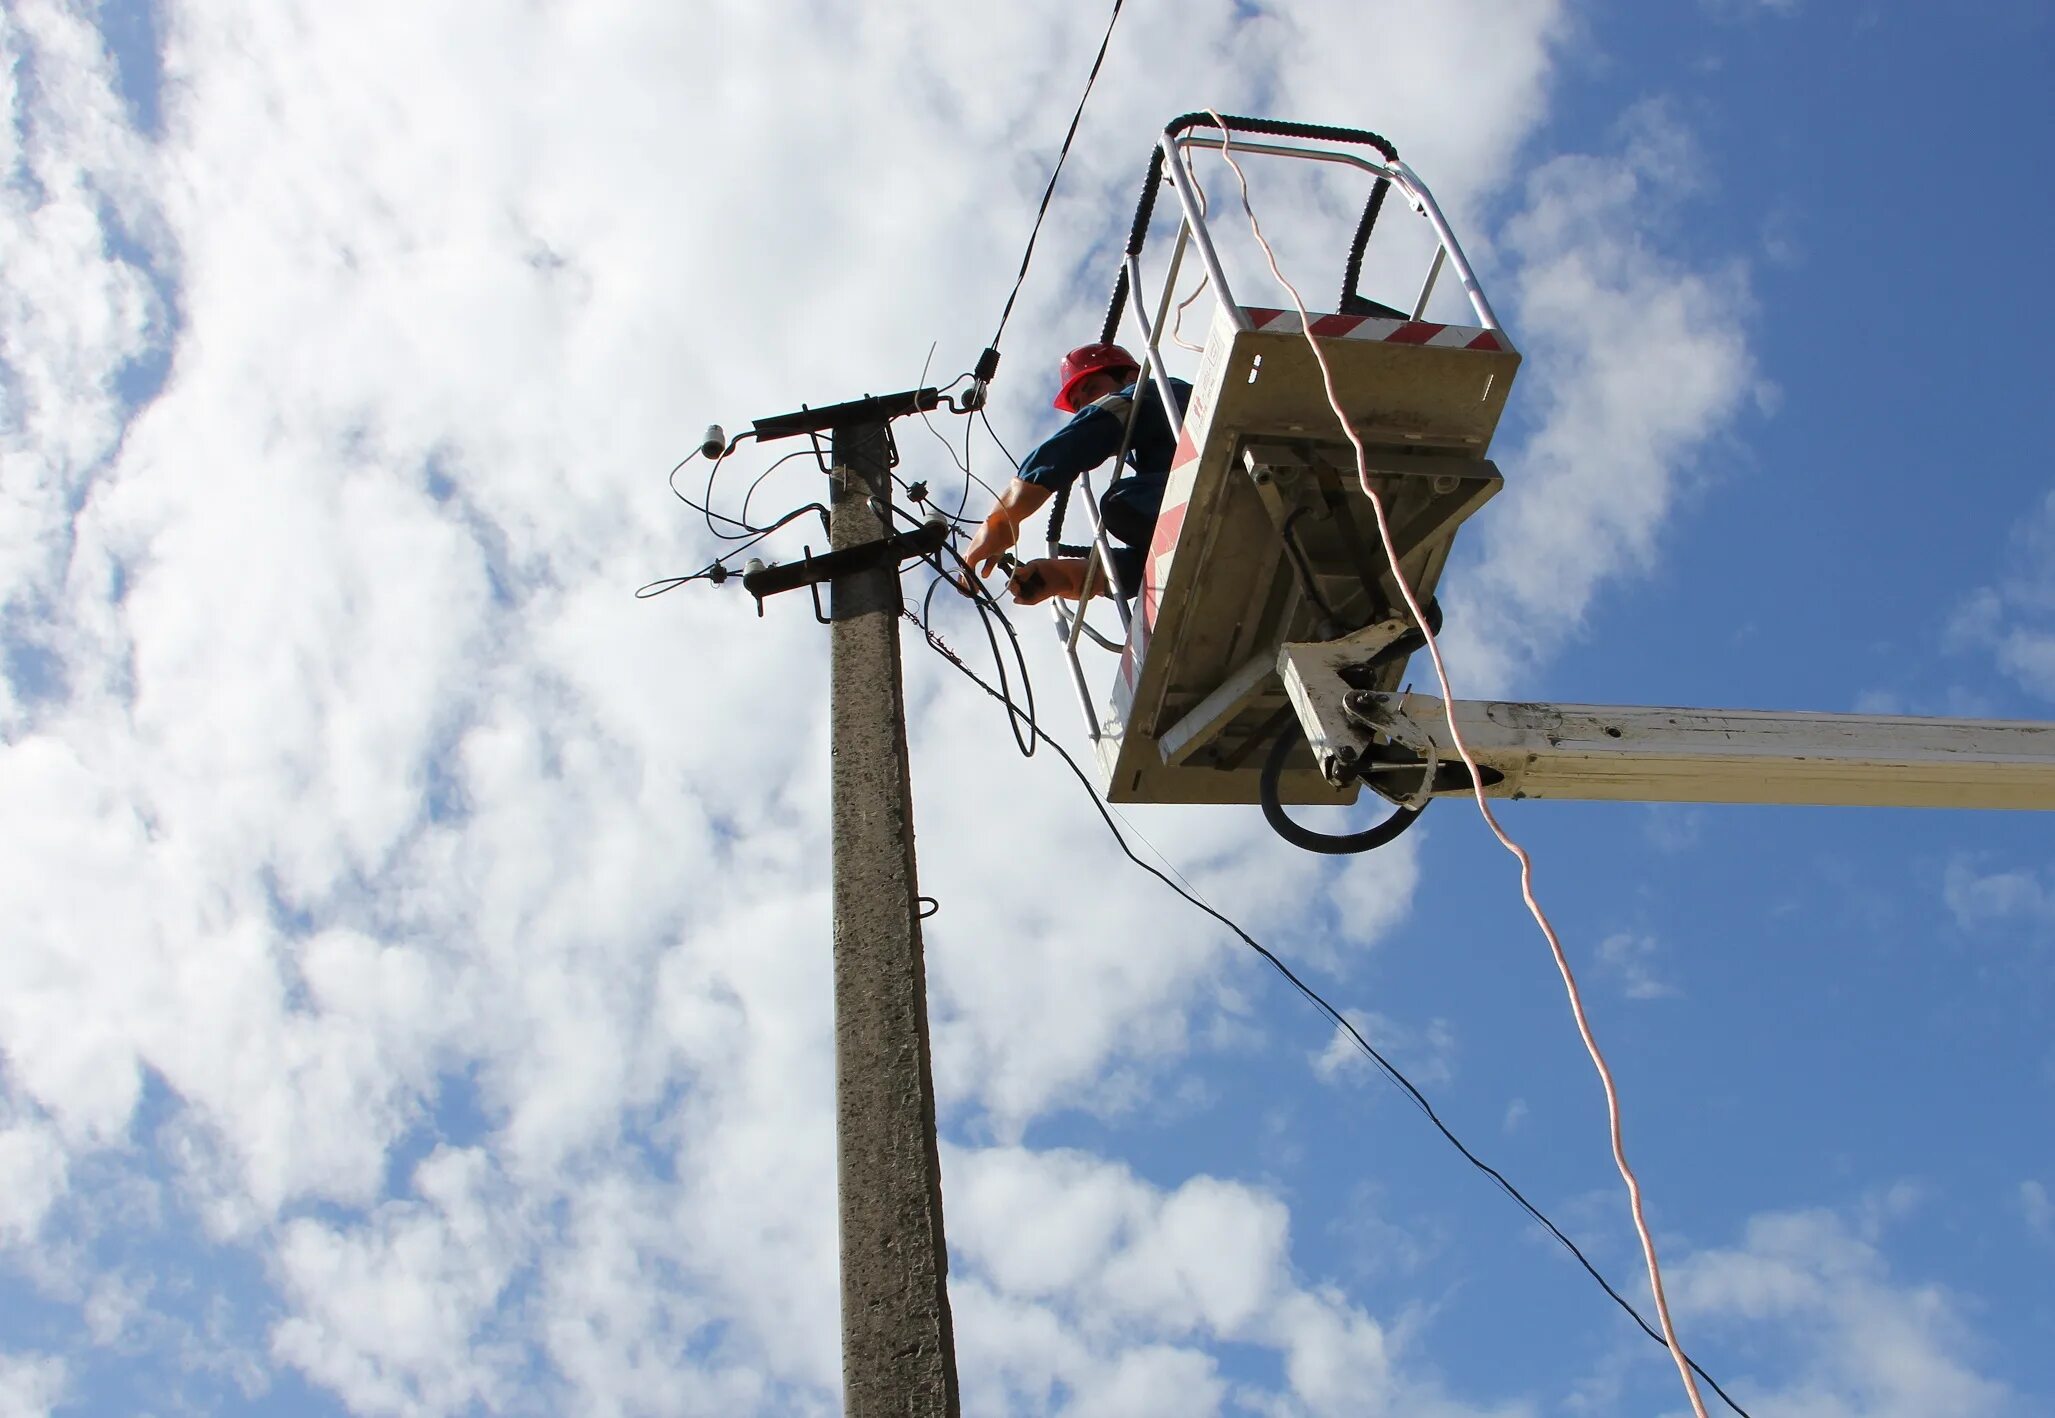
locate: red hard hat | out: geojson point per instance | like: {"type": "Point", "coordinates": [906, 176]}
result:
{"type": "Point", "coordinates": [1089, 359]}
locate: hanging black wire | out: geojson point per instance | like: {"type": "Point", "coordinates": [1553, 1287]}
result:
{"type": "Point", "coordinates": [702, 508]}
{"type": "Point", "coordinates": [969, 431]}
{"type": "Point", "coordinates": [1341, 1021]}
{"type": "Point", "coordinates": [802, 453]}
{"type": "Point", "coordinates": [707, 498]}
{"type": "Point", "coordinates": [718, 569]}
{"type": "Point", "coordinates": [998, 440]}
{"type": "Point", "coordinates": [989, 611]}
{"type": "Point", "coordinates": [962, 460]}
{"type": "Point", "coordinates": [1050, 191]}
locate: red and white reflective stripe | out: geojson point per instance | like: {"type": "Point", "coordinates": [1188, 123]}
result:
{"type": "Point", "coordinates": [1169, 524]}
{"type": "Point", "coordinates": [1162, 551]}
{"type": "Point", "coordinates": [1375, 327]}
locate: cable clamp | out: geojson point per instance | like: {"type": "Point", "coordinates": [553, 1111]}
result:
{"type": "Point", "coordinates": [1381, 717]}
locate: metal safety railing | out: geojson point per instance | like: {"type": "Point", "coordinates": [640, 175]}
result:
{"type": "Point", "coordinates": [1171, 153]}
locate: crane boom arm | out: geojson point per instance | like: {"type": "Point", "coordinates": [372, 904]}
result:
{"type": "Point", "coordinates": [1655, 754]}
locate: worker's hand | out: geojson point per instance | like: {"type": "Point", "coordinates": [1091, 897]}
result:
{"type": "Point", "coordinates": [1034, 582]}
{"type": "Point", "coordinates": [994, 538]}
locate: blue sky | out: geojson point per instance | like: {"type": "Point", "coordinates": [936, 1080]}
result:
{"type": "Point", "coordinates": [415, 999]}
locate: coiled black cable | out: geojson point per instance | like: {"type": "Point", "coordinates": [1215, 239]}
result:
{"type": "Point", "coordinates": [1328, 844]}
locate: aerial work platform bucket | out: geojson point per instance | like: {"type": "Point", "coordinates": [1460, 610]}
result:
{"type": "Point", "coordinates": [1265, 535]}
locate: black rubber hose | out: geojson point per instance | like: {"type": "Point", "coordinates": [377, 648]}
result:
{"type": "Point", "coordinates": [1265, 127]}
{"type": "Point", "coordinates": [1328, 844]}
{"type": "Point", "coordinates": [1406, 645]}
{"type": "Point", "coordinates": [1282, 128]}
{"type": "Point", "coordinates": [1145, 208]}
{"type": "Point", "coordinates": [1353, 272]}
{"type": "Point", "coordinates": [1058, 505]}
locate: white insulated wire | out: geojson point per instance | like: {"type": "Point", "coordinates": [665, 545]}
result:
{"type": "Point", "coordinates": [1555, 945]}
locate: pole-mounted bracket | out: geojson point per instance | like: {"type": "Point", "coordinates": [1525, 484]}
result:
{"type": "Point", "coordinates": [1319, 677]}
{"type": "Point", "coordinates": [834, 418]}
{"type": "Point", "coordinates": [925, 540]}
{"type": "Point", "coordinates": [879, 408]}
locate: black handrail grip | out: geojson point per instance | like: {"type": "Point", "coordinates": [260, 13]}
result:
{"type": "Point", "coordinates": [1266, 127]}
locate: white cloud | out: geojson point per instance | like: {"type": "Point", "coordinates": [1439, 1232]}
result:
{"type": "Point", "coordinates": [2037, 1210]}
{"type": "Point", "coordinates": [366, 819]}
{"type": "Point", "coordinates": [1674, 827]}
{"type": "Point", "coordinates": [1469, 151]}
{"type": "Point", "coordinates": [1853, 1338]}
{"type": "Point", "coordinates": [31, 1385]}
{"type": "Point", "coordinates": [74, 312]}
{"type": "Point", "coordinates": [1115, 1278]}
{"type": "Point", "coordinates": [1979, 898]}
{"type": "Point", "coordinates": [1382, 1253]}
{"type": "Point", "coordinates": [32, 1176]}
{"type": "Point", "coordinates": [1631, 960]}
{"type": "Point", "coordinates": [1425, 1054]}
{"type": "Point", "coordinates": [2012, 620]}
{"type": "Point", "coordinates": [396, 1316]}
{"type": "Point", "coordinates": [1635, 363]}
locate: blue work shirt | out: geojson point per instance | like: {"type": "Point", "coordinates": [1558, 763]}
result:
{"type": "Point", "coordinates": [1093, 435]}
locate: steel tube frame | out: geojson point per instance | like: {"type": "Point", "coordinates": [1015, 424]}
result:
{"type": "Point", "coordinates": [1192, 231]}
{"type": "Point", "coordinates": [1401, 176]}
{"type": "Point", "coordinates": [1424, 203]}
{"type": "Point", "coordinates": [1084, 695]}
{"type": "Point", "coordinates": [1195, 218]}
{"type": "Point", "coordinates": [1154, 355]}
{"type": "Point", "coordinates": [1427, 287]}
{"type": "Point", "coordinates": [1072, 624]}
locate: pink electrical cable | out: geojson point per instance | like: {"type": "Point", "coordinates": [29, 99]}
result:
{"type": "Point", "coordinates": [1177, 326]}
{"type": "Point", "coordinates": [1555, 945]}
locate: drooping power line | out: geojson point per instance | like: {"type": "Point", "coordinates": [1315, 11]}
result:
{"type": "Point", "coordinates": [1048, 192]}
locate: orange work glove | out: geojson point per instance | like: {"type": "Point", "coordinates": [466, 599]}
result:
{"type": "Point", "coordinates": [1034, 582]}
{"type": "Point", "coordinates": [993, 540]}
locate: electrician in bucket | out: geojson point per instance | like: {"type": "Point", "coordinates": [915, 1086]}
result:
{"type": "Point", "coordinates": [1098, 387]}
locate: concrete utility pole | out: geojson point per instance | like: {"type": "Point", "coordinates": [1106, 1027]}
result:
{"type": "Point", "coordinates": [898, 1345]}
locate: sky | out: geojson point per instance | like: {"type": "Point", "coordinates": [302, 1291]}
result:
{"type": "Point", "coordinates": [414, 949]}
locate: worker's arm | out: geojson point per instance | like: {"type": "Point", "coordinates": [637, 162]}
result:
{"type": "Point", "coordinates": [1001, 528]}
{"type": "Point", "coordinates": [1089, 439]}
